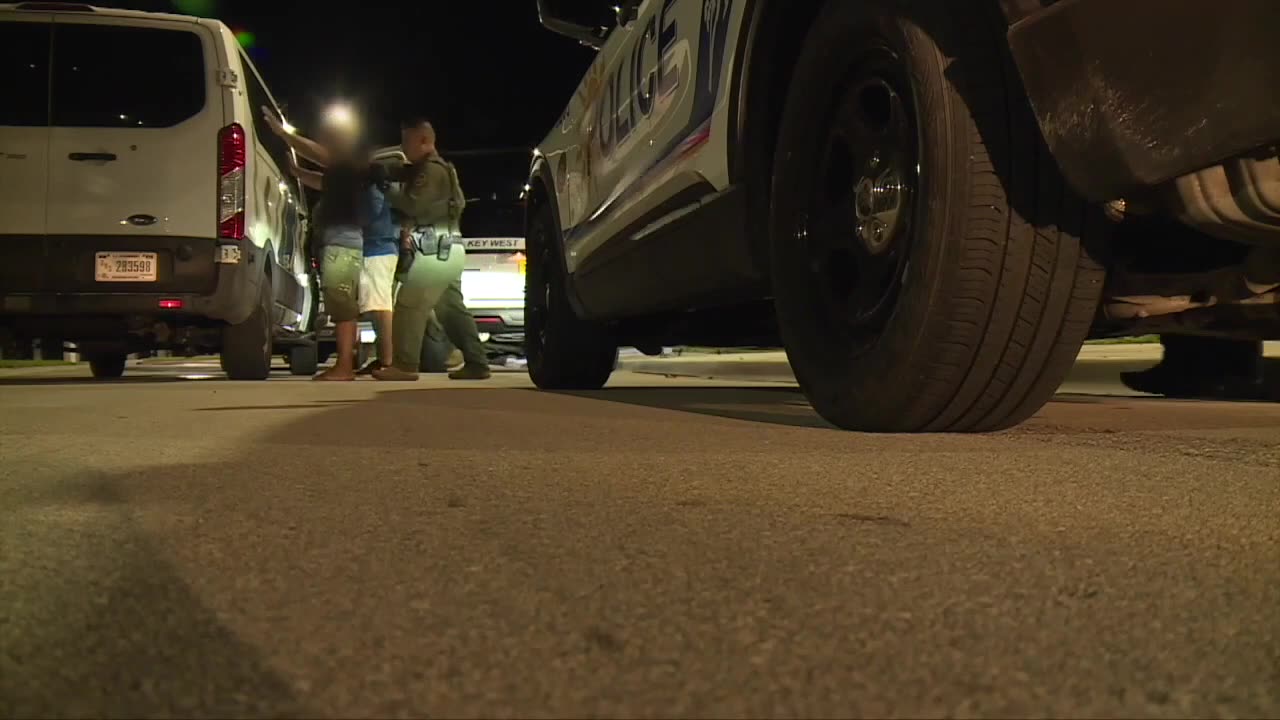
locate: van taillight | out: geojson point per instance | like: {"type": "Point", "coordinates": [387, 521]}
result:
{"type": "Point", "coordinates": [231, 167]}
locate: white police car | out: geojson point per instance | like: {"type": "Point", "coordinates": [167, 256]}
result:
{"type": "Point", "coordinates": [910, 196]}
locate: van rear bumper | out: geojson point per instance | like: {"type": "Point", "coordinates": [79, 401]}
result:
{"type": "Point", "coordinates": [50, 281]}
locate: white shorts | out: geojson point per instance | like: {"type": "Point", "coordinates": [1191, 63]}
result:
{"type": "Point", "coordinates": [377, 279]}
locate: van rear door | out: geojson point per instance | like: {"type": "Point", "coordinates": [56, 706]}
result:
{"type": "Point", "coordinates": [135, 113]}
{"type": "Point", "coordinates": [24, 122]}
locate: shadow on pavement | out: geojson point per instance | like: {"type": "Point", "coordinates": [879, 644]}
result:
{"type": "Point", "coordinates": [237, 408]}
{"type": "Point", "coordinates": [98, 622]}
{"type": "Point", "coordinates": [772, 405]}
{"type": "Point", "coordinates": [37, 380]}
{"type": "Point", "coordinates": [458, 551]}
{"type": "Point", "coordinates": [1065, 414]}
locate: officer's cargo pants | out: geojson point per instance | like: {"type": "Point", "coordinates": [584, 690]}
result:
{"type": "Point", "coordinates": [421, 289]}
{"type": "Point", "coordinates": [459, 325]}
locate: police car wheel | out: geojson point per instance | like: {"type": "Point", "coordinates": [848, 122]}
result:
{"type": "Point", "coordinates": [246, 346]}
{"type": "Point", "coordinates": [929, 272]}
{"type": "Point", "coordinates": [107, 366]}
{"type": "Point", "coordinates": [564, 352]}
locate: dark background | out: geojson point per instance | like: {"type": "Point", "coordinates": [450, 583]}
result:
{"type": "Point", "coordinates": [483, 71]}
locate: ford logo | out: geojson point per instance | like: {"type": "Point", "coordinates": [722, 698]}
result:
{"type": "Point", "coordinates": [141, 219]}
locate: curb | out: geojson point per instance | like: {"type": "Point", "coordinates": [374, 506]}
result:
{"type": "Point", "coordinates": [765, 370]}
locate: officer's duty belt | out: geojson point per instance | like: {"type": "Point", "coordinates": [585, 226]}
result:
{"type": "Point", "coordinates": [427, 240]}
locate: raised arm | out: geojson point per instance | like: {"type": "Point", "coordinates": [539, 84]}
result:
{"type": "Point", "coordinates": [308, 149]}
{"type": "Point", "coordinates": [310, 178]}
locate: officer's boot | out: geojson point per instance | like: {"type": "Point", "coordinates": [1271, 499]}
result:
{"type": "Point", "coordinates": [471, 371]}
{"type": "Point", "coordinates": [1203, 367]}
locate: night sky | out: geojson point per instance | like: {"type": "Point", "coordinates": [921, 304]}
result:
{"type": "Point", "coordinates": [483, 71]}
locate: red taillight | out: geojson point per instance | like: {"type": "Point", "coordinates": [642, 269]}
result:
{"type": "Point", "coordinates": [170, 304]}
{"type": "Point", "coordinates": [231, 168]}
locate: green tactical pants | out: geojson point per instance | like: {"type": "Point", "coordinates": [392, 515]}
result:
{"type": "Point", "coordinates": [459, 325]}
{"type": "Point", "coordinates": [420, 291]}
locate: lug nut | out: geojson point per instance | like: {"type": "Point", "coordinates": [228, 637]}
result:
{"type": "Point", "coordinates": [1116, 209]}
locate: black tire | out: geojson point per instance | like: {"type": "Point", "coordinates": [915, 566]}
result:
{"type": "Point", "coordinates": [435, 352]}
{"type": "Point", "coordinates": [303, 360]}
{"type": "Point", "coordinates": [52, 348]}
{"type": "Point", "coordinates": [246, 346]}
{"type": "Point", "coordinates": [564, 351]}
{"type": "Point", "coordinates": [967, 311]}
{"type": "Point", "coordinates": [107, 366]}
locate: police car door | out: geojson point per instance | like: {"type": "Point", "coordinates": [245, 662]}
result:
{"type": "Point", "coordinates": [661, 89]}
{"type": "Point", "coordinates": [604, 130]}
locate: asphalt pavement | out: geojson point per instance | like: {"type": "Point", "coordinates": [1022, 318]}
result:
{"type": "Point", "coordinates": [174, 544]}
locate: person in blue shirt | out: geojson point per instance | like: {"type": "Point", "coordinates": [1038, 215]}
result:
{"type": "Point", "coordinates": [377, 278]}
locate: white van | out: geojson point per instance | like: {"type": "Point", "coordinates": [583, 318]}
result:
{"type": "Point", "coordinates": [144, 204]}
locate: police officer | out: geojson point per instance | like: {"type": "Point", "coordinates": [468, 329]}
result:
{"type": "Point", "coordinates": [431, 203]}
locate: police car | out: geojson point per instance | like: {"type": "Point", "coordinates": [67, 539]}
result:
{"type": "Point", "coordinates": [930, 204]}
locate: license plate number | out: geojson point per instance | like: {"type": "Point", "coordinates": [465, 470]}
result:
{"type": "Point", "coordinates": [125, 267]}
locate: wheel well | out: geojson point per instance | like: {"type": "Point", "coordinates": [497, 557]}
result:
{"type": "Point", "coordinates": [536, 197]}
{"type": "Point", "coordinates": [534, 200]}
{"type": "Point", "coordinates": [766, 59]}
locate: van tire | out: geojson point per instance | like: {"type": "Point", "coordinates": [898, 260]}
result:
{"type": "Point", "coordinates": [981, 296]}
{"type": "Point", "coordinates": [564, 351]}
{"type": "Point", "coordinates": [107, 366]}
{"type": "Point", "coordinates": [303, 360]}
{"type": "Point", "coordinates": [246, 346]}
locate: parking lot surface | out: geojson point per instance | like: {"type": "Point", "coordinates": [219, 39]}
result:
{"type": "Point", "coordinates": [177, 544]}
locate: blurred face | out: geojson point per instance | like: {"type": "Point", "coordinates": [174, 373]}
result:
{"type": "Point", "coordinates": [415, 143]}
{"type": "Point", "coordinates": [339, 142]}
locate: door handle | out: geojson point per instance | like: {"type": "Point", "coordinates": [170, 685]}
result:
{"type": "Point", "coordinates": [87, 157]}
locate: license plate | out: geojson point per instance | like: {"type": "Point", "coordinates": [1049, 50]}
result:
{"type": "Point", "coordinates": [125, 267]}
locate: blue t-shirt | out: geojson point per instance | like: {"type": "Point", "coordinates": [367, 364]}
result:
{"type": "Point", "coordinates": [382, 234]}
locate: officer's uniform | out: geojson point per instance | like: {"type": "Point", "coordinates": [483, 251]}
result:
{"type": "Point", "coordinates": [433, 202]}
{"type": "Point", "coordinates": [451, 309]}
{"type": "Point", "coordinates": [460, 326]}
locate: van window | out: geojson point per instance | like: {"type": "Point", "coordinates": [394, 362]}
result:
{"type": "Point", "coordinates": [114, 76]}
{"type": "Point", "coordinates": [24, 67]}
{"type": "Point", "coordinates": [258, 99]}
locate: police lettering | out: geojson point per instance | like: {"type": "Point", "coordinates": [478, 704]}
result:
{"type": "Point", "coordinates": [646, 70]}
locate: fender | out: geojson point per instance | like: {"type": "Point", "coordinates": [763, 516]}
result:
{"type": "Point", "coordinates": [772, 31]}
{"type": "Point", "coordinates": [540, 175]}
{"type": "Point", "coordinates": [740, 70]}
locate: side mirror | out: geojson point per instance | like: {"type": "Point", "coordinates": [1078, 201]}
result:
{"type": "Point", "coordinates": [627, 12]}
{"type": "Point", "coordinates": [555, 17]}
